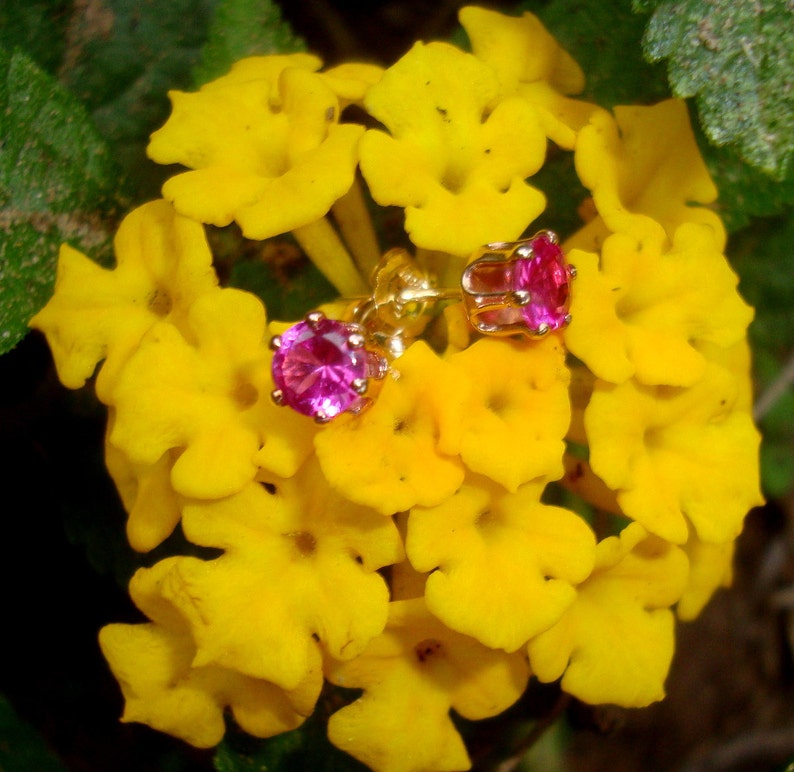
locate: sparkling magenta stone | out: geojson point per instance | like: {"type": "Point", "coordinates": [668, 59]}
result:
{"type": "Point", "coordinates": [315, 368]}
{"type": "Point", "coordinates": [547, 279]}
{"type": "Point", "coordinates": [536, 268]}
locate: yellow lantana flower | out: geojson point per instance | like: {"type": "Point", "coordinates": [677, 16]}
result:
{"type": "Point", "coordinates": [644, 170]}
{"type": "Point", "coordinates": [644, 310]}
{"type": "Point", "coordinates": [163, 263]}
{"type": "Point", "coordinates": [503, 566]}
{"type": "Point", "coordinates": [256, 140]}
{"type": "Point", "coordinates": [298, 576]}
{"type": "Point", "coordinates": [615, 642]}
{"type": "Point", "coordinates": [514, 413]}
{"type": "Point", "coordinates": [165, 688]}
{"type": "Point", "coordinates": [392, 459]}
{"type": "Point", "coordinates": [267, 150]}
{"type": "Point", "coordinates": [530, 62]}
{"type": "Point", "coordinates": [412, 675]}
{"type": "Point", "coordinates": [453, 151]}
{"type": "Point", "coordinates": [206, 391]}
{"type": "Point", "coordinates": [677, 455]}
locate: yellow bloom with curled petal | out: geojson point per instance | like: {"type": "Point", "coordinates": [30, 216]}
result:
{"type": "Point", "coordinates": [206, 391]}
{"type": "Point", "coordinates": [515, 411]}
{"type": "Point", "coordinates": [298, 576]}
{"type": "Point", "coordinates": [264, 145]}
{"type": "Point", "coordinates": [164, 688]}
{"type": "Point", "coordinates": [152, 504]}
{"type": "Point", "coordinates": [710, 567]}
{"type": "Point", "coordinates": [530, 62]}
{"type": "Point", "coordinates": [615, 643]}
{"type": "Point", "coordinates": [163, 263]}
{"type": "Point", "coordinates": [645, 310]}
{"type": "Point", "coordinates": [677, 455]}
{"type": "Point", "coordinates": [412, 675]}
{"type": "Point", "coordinates": [503, 566]}
{"type": "Point", "coordinates": [392, 458]}
{"type": "Point", "coordinates": [644, 170]}
{"type": "Point", "coordinates": [455, 155]}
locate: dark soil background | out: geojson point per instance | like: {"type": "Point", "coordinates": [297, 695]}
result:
{"type": "Point", "coordinates": [730, 703]}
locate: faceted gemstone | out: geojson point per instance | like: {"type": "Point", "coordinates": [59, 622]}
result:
{"type": "Point", "coordinates": [546, 277]}
{"type": "Point", "coordinates": [319, 371]}
{"type": "Point", "coordinates": [529, 292]}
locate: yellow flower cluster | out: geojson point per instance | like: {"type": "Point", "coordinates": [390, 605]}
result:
{"type": "Point", "coordinates": [506, 509]}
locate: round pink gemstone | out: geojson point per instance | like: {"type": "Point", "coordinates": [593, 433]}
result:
{"type": "Point", "coordinates": [543, 274]}
{"type": "Point", "coordinates": [318, 371]}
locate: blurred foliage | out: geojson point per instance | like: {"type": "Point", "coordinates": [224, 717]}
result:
{"type": "Point", "coordinates": [23, 749]}
{"type": "Point", "coordinates": [84, 82]}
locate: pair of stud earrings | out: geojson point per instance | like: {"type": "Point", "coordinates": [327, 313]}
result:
{"type": "Point", "coordinates": [323, 367]}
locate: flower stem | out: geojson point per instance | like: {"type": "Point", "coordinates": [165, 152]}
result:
{"type": "Point", "coordinates": [352, 217]}
{"type": "Point", "coordinates": [325, 249]}
{"type": "Point", "coordinates": [580, 479]}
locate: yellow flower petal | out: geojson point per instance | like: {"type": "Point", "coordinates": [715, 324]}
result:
{"type": "Point", "coordinates": [391, 459]}
{"type": "Point", "coordinates": [675, 455]}
{"type": "Point", "coordinates": [152, 505]}
{"type": "Point", "coordinates": [648, 310]}
{"type": "Point", "coordinates": [264, 144]}
{"type": "Point", "coordinates": [502, 565]}
{"type": "Point", "coordinates": [710, 567]}
{"type": "Point", "coordinates": [529, 61]}
{"type": "Point", "coordinates": [520, 49]}
{"type": "Point", "coordinates": [351, 81]}
{"type": "Point", "coordinates": [457, 156]}
{"type": "Point", "coordinates": [208, 394]}
{"type": "Point", "coordinates": [154, 664]}
{"type": "Point", "coordinates": [298, 575]}
{"type": "Point", "coordinates": [615, 643]}
{"type": "Point", "coordinates": [516, 411]}
{"type": "Point", "coordinates": [163, 265]}
{"type": "Point", "coordinates": [644, 164]}
{"type": "Point", "coordinates": [412, 675]}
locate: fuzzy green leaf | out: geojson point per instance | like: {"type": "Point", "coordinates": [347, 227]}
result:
{"type": "Point", "coordinates": [56, 180]}
{"type": "Point", "coordinates": [123, 58]}
{"type": "Point", "coordinates": [243, 28]}
{"type": "Point", "coordinates": [737, 60]}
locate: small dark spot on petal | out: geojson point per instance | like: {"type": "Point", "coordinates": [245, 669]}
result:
{"type": "Point", "coordinates": [269, 487]}
{"type": "Point", "coordinates": [426, 649]}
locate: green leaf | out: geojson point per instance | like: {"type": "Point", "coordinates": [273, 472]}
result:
{"type": "Point", "coordinates": [38, 27]}
{"type": "Point", "coordinates": [275, 270]}
{"type": "Point", "coordinates": [306, 748]}
{"type": "Point", "coordinates": [745, 192]}
{"type": "Point", "coordinates": [122, 60]}
{"type": "Point", "coordinates": [22, 749]}
{"type": "Point", "coordinates": [57, 179]}
{"type": "Point", "coordinates": [243, 28]}
{"type": "Point", "coordinates": [605, 39]}
{"type": "Point", "coordinates": [764, 260]}
{"type": "Point", "coordinates": [737, 60]}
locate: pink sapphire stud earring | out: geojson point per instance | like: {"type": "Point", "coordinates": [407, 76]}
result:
{"type": "Point", "coordinates": [520, 287]}
{"type": "Point", "coordinates": [322, 367]}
